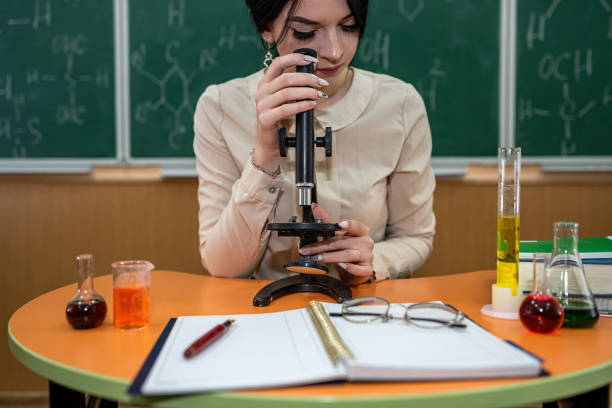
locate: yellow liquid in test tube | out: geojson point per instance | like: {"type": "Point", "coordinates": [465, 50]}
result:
{"type": "Point", "coordinates": [508, 252]}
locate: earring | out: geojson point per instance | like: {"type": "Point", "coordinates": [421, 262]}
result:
{"type": "Point", "coordinates": [268, 57]}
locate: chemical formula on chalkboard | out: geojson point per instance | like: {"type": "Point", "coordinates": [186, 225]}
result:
{"type": "Point", "coordinates": [179, 104]}
{"type": "Point", "coordinates": [177, 48]}
{"type": "Point", "coordinates": [50, 90]}
{"type": "Point", "coordinates": [564, 92]}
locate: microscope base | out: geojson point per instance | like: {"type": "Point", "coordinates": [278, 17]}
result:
{"type": "Point", "coordinates": [324, 284]}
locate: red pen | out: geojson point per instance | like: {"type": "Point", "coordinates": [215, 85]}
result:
{"type": "Point", "coordinates": [207, 339]}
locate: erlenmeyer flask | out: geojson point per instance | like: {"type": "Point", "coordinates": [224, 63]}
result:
{"type": "Point", "coordinates": [567, 281]}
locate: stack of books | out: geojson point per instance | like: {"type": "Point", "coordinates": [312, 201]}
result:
{"type": "Point", "coordinates": [596, 255]}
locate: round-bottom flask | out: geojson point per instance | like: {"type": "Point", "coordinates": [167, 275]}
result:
{"type": "Point", "coordinates": [540, 312]}
{"type": "Point", "coordinates": [87, 309]}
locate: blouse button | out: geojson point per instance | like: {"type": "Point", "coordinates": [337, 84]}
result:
{"type": "Point", "coordinates": [272, 190]}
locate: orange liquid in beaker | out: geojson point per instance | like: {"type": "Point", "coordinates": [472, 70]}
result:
{"type": "Point", "coordinates": [131, 306]}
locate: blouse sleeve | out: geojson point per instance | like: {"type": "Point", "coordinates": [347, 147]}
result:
{"type": "Point", "coordinates": [411, 224]}
{"type": "Point", "coordinates": [234, 205]}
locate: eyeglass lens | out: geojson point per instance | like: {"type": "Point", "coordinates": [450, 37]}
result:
{"type": "Point", "coordinates": [363, 310]}
{"type": "Point", "coordinates": [424, 315]}
{"type": "Point", "coordinates": [432, 315]}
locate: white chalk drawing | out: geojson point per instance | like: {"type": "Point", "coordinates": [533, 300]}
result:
{"type": "Point", "coordinates": [429, 89]}
{"type": "Point", "coordinates": [410, 8]}
{"type": "Point", "coordinates": [24, 132]}
{"type": "Point", "coordinates": [375, 50]}
{"type": "Point", "coordinates": [536, 27]}
{"type": "Point", "coordinates": [179, 136]}
{"type": "Point", "coordinates": [570, 69]}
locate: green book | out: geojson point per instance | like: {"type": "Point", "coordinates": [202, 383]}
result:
{"type": "Point", "coordinates": [592, 250]}
{"type": "Point", "coordinates": [596, 256]}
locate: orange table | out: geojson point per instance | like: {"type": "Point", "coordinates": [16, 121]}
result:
{"type": "Point", "coordinates": [103, 361]}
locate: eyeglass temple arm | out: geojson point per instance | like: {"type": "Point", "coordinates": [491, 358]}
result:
{"type": "Point", "coordinates": [422, 319]}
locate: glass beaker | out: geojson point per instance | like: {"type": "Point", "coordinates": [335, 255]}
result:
{"type": "Point", "coordinates": [540, 312]}
{"type": "Point", "coordinates": [131, 294]}
{"type": "Point", "coordinates": [87, 309]}
{"type": "Point", "coordinates": [567, 282]}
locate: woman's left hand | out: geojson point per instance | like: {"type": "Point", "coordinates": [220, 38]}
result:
{"type": "Point", "coordinates": [351, 249]}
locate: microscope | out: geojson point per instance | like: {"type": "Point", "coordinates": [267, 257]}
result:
{"type": "Point", "coordinates": [312, 276]}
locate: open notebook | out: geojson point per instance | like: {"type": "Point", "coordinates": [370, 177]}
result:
{"type": "Point", "coordinates": [287, 348]}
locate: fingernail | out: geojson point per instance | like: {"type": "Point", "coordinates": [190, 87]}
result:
{"type": "Point", "coordinates": [321, 81]}
{"type": "Point", "coordinates": [310, 58]}
{"type": "Point", "coordinates": [314, 205]}
{"type": "Point", "coordinates": [322, 94]}
{"type": "Point", "coordinates": [318, 258]}
{"type": "Point", "coordinates": [304, 251]}
{"type": "Point", "coordinates": [343, 224]}
{"type": "Point", "coordinates": [342, 265]}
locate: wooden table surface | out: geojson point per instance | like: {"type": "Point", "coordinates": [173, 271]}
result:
{"type": "Point", "coordinates": [103, 361]}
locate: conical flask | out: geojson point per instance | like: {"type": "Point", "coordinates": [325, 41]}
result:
{"type": "Point", "coordinates": [567, 281]}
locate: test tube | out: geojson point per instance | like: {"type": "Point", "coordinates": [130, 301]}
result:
{"type": "Point", "coordinates": [508, 217]}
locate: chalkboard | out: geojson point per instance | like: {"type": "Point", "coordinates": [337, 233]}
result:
{"type": "Point", "coordinates": [117, 81]}
{"type": "Point", "coordinates": [57, 79]}
{"type": "Point", "coordinates": [448, 50]}
{"type": "Point", "coordinates": [564, 78]}
{"type": "Point", "coordinates": [177, 48]}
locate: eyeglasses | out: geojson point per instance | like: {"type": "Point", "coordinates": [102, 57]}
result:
{"type": "Point", "coordinates": [426, 315]}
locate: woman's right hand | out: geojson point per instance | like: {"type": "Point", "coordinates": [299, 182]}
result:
{"type": "Point", "coordinates": [281, 95]}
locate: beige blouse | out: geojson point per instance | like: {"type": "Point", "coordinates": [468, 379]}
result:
{"type": "Point", "coordinates": [379, 173]}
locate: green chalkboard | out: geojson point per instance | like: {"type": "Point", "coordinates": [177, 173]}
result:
{"type": "Point", "coordinates": [564, 78]}
{"type": "Point", "coordinates": [58, 98]}
{"type": "Point", "coordinates": [449, 50]}
{"type": "Point", "coordinates": [177, 49]}
{"type": "Point", "coordinates": [57, 79]}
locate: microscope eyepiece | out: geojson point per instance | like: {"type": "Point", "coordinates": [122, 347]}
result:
{"type": "Point", "coordinates": [306, 51]}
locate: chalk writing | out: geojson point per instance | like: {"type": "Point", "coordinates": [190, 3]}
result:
{"type": "Point", "coordinates": [536, 30]}
{"type": "Point", "coordinates": [375, 50]}
{"type": "Point", "coordinates": [410, 9]}
{"type": "Point", "coordinates": [429, 91]}
{"type": "Point", "coordinates": [41, 16]}
{"type": "Point", "coordinates": [562, 66]}
{"type": "Point", "coordinates": [176, 77]}
{"type": "Point", "coordinates": [577, 71]}
{"type": "Point", "coordinates": [176, 13]}
{"type": "Point", "coordinates": [179, 80]}
{"type": "Point", "coordinates": [19, 89]}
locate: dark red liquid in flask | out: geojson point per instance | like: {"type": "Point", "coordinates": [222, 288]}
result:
{"type": "Point", "coordinates": [87, 309]}
{"type": "Point", "coordinates": [86, 314]}
{"type": "Point", "coordinates": [541, 313]}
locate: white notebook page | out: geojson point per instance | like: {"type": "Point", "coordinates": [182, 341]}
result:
{"type": "Point", "coordinates": [271, 349]}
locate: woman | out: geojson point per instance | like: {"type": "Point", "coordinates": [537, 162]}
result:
{"type": "Point", "coordinates": [379, 183]}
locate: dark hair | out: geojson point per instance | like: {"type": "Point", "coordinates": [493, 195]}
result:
{"type": "Point", "coordinates": [264, 12]}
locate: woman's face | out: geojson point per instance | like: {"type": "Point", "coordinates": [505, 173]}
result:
{"type": "Point", "coordinates": [328, 27]}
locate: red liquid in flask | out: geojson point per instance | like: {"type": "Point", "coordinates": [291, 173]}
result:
{"type": "Point", "coordinates": [86, 314]}
{"type": "Point", "coordinates": [541, 313]}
